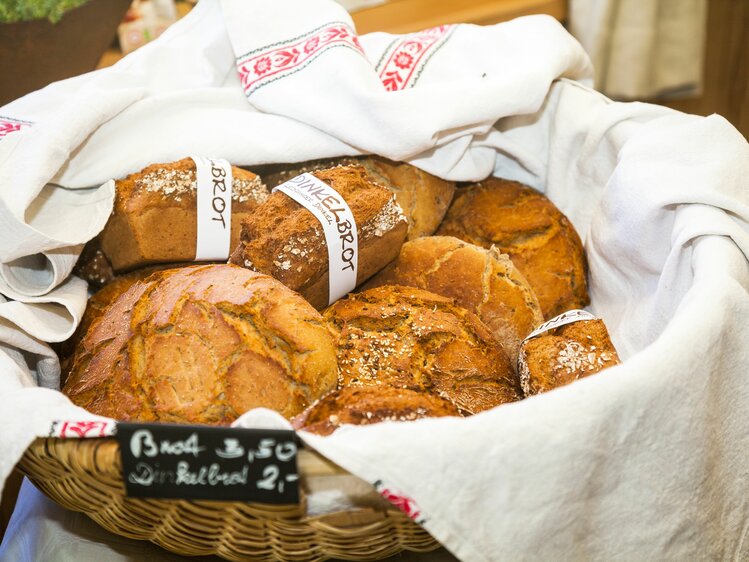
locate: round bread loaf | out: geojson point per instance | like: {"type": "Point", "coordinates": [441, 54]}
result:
{"type": "Point", "coordinates": [95, 306]}
{"type": "Point", "coordinates": [203, 344]}
{"type": "Point", "coordinates": [423, 197]}
{"type": "Point", "coordinates": [408, 337]}
{"type": "Point", "coordinates": [562, 355]}
{"type": "Point", "coordinates": [154, 219]}
{"type": "Point", "coordinates": [363, 405]}
{"type": "Point", "coordinates": [522, 223]}
{"type": "Point", "coordinates": [483, 281]}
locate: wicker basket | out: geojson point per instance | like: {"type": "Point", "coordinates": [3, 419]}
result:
{"type": "Point", "coordinates": [85, 475]}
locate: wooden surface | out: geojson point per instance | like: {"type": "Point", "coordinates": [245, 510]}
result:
{"type": "Point", "coordinates": [726, 83]}
{"type": "Point", "coordinates": [405, 16]}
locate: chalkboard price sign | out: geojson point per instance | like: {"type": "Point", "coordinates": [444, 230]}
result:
{"type": "Point", "coordinates": [209, 463]}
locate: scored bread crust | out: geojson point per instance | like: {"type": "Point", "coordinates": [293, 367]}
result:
{"type": "Point", "coordinates": [203, 344]}
{"type": "Point", "coordinates": [285, 240]}
{"type": "Point", "coordinates": [480, 280]}
{"type": "Point", "coordinates": [423, 197]}
{"type": "Point", "coordinates": [408, 337]}
{"type": "Point", "coordinates": [154, 219]}
{"type": "Point", "coordinates": [364, 405]}
{"type": "Point", "coordinates": [525, 225]}
{"type": "Point", "coordinates": [564, 354]}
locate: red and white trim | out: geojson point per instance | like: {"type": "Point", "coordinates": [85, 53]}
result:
{"type": "Point", "coordinates": [82, 429]}
{"type": "Point", "coordinates": [404, 59]}
{"type": "Point", "coordinates": [267, 64]}
{"type": "Point", "coordinates": [403, 502]}
{"type": "Point", "coordinates": [9, 125]}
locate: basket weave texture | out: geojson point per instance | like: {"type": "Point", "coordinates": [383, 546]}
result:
{"type": "Point", "coordinates": [85, 475]}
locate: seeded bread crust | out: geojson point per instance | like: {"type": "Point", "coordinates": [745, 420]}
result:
{"type": "Point", "coordinates": [411, 338]}
{"type": "Point", "coordinates": [285, 240]}
{"type": "Point", "coordinates": [522, 223]}
{"type": "Point", "coordinates": [203, 344]}
{"type": "Point", "coordinates": [423, 197]}
{"type": "Point", "coordinates": [480, 280]}
{"type": "Point", "coordinates": [155, 215]}
{"type": "Point", "coordinates": [565, 354]}
{"type": "Point", "coordinates": [364, 405]}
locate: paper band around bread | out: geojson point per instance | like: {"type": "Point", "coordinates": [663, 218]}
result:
{"type": "Point", "coordinates": [339, 227]}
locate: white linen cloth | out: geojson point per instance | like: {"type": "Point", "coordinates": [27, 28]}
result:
{"type": "Point", "coordinates": [643, 48]}
{"type": "Point", "coordinates": [646, 460]}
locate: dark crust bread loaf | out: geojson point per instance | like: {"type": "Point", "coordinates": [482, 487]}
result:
{"type": "Point", "coordinates": [203, 344]}
{"type": "Point", "coordinates": [285, 240]}
{"type": "Point", "coordinates": [480, 280]}
{"type": "Point", "coordinates": [564, 354]}
{"type": "Point", "coordinates": [364, 405]}
{"type": "Point", "coordinates": [154, 219]}
{"type": "Point", "coordinates": [93, 266]}
{"type": "Point", "coordinates": [423, 197]}
{"type": "Point", "coordinates": [522, 223]}
{"type": "Point", "coordinates": [407, 337]}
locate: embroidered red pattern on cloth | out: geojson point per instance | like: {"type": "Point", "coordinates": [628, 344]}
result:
{"type": "Point", "coordinates": [82, 429]}
{"type": "Point", "coordinates": [272, 62]}
{"type": "Point", "coordinates": [405, 58]}
{"type": "Point", "coordinates": [9, 125]}
{"type": "Point", "coordinates": [406, 504]}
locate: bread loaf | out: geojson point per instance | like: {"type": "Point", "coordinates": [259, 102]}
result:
{"type": "Point", "coordinates": [155, 214]}
{"type": "Point", "coordinates": [525, 225]}
{"type": "Point", "coordinates": [480, 280]}
{"type": "Point", "coordinates": [423, 197]}
{"type": "Point", "coordinates": [95, 307]}
{"type": "Point", "coordinates": [285, 240]}
{"type": "Point", "coordinates": [411, 338]}
{"type": "Point", "coordinates": [203, 344]}
{"type": "Point", "coordinates": [363, 405]}
{"type": "Point", "coordinates": [562, 355]}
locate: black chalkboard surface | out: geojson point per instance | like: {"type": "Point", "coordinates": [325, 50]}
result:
{"type": "Point", "coordinates": [209, 463]}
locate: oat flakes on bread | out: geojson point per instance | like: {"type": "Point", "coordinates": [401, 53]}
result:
{"type": "Point", "coordinates": [411, 338]}
{"type": "Point", "coordinates": [565, 354]}
{"type": "Point", "coordinates": [203, 344]}
{"type": "Point", "coordinates": [479, 279]}
{"type": "Point", "coordinates": [154, 219]}
{"type": "Point", "coordinates": [423, 197]}
{"type": "Point", "coordinates": [524, 224]}
{"type": "Point", "coordinates": [285, 240]}
{"type": "Point", "coordinates": [364, 405]}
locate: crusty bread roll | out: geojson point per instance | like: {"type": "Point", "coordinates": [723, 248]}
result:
{"type": "Point", "coordinates": [483, 281]}
{"type": "Point", "coordinates": [285, 240]}
{"type": "Point", "coordinates": [203, 344]}
{"type": "Point", "coordinates": [363, 405]}
{"type": "Point", "coordinates": [564, 354]}
{"type": "Point", "coordinates": [524, 224]}
{"type": "Point", "coordinates": [423, 197]}
{"type": "Point", "coordinates": [407, 337]}
{"type": "Point", "coordinates": [93, 266]}
{"type": "Point", "coordinates": [155, 214]}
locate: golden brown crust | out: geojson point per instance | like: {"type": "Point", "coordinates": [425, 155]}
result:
{"type": "Point", "coordinates": [364, 405]}
{"type": "Point", "coordinates": [480, 280]}
{"type": "Point", "coordinates": [155, 217]}
{"type": "Point", "coordinates": [423, 197]}
{"type": "Point", "coordinates": [285, 240]}
{"type": "Point", "coordinates": [564, 354]}
{"type": "Point", "coordinates": [522, 223]}
{"type": "Point", "coordinates": [203, 344]}
{"type": "Point", "coordinates": [95, 307]}
{"type": "Point", "coordinates": [407, 337]}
